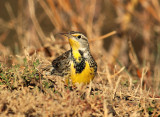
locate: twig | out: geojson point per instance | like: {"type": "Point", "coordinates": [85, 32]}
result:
{"type": "Point", "coordinates": [115, 73]}
{"type": "Point", "coordinates": [104, 36]}
{"type": "Point", "coordinates": [35, 22]}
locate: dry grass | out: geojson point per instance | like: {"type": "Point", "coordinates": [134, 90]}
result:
{"type": "Point", "coordinates": [127, 82]}
{"type": "Point", "coordinates": [24, 92]}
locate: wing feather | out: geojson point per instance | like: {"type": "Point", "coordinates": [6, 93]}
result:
{"type": "Point", "coordinates": [61, 65]}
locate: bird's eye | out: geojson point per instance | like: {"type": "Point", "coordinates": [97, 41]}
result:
{"type": "Point", "coordinates": [79, 36]}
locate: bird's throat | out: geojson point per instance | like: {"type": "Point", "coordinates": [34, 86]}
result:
{"type": "Point", "coordinates": [74, 44]}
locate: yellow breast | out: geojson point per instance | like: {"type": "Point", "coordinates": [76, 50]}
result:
{"type": "Point", "coordinates": [85, 76]}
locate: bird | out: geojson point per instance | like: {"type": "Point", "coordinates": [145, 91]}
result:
{"type": "Point", "coordinates": [76, 64]}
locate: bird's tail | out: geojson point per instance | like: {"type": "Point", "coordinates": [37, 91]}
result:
{"type": "Point", "coordinates": [48, 70]}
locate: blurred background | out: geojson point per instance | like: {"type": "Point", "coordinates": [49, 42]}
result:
{"type": "Point", "coordinates": [28, 26]}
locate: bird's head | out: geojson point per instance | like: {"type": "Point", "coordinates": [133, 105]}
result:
{"type": "Point", "coordinates": [77, 41]}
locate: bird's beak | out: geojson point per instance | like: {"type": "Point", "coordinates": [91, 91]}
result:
{"type": "Point", "coordinates": [66, 34]}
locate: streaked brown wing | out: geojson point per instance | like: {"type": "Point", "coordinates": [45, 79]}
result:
{"type": "Point", "coordinates": [61, 65]}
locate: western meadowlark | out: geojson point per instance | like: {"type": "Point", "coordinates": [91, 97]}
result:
{"type": "Point", "coordinates": [77, 63]}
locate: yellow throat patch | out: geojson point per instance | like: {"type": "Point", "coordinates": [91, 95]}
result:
{"type": "Point", "coordinates": [75, 46]}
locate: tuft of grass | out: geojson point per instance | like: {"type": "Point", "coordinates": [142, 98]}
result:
{"type": "Point", "coordinates": [20, 76]}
